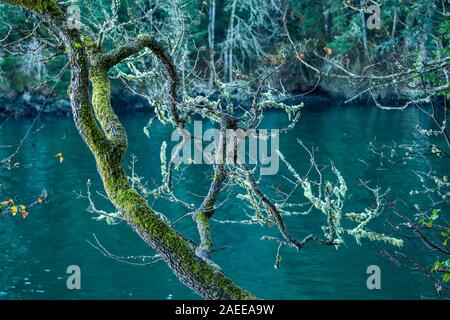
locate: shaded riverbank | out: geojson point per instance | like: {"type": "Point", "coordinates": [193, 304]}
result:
{"type": "Point", "coordinates": [27, 105]}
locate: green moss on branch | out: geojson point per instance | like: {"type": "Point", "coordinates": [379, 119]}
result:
{"type": "Point", "coordinates": [48, 7]}
{"type": "Point", "coordinates": [108, 146]}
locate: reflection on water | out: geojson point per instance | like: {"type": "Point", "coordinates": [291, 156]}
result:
{"type": "Point", "coordinates": [35, 252]}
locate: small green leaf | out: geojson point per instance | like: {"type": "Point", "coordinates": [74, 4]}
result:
{"type": "Point", "coordinates": [446, 277]}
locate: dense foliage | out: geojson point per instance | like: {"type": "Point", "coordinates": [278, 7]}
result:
{"type": "Point", "coordinates": [241, 37]}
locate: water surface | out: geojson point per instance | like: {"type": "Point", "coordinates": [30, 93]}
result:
{"type": "Point", "coordinates": [35, 252]}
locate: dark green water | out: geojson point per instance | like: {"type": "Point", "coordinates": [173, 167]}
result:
{"type": "Point", "coordinates": [35, 252]}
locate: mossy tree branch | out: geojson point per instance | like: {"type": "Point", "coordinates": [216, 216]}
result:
{"type": "Point", "coordinates": [108, 144]}
{"type": "Point", "coordinates": [208, 207]}
{"type": "Point", "coordinates": [143, 41]}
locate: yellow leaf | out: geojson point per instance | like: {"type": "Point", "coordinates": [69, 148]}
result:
{"type": "Point", "coordinates": [39, 201]}
{"type": "Point", "coordinates": [22, 207]}
{"type": "Point", "coordinates": [328, 51]}
{"type": "Point", "coordinates": [300, 57]}
{"type": "Point", "coordinates": [60, 156]}
{"type": "Point", "coordinates": [24, 213]}
{"type": "Point", "coordinates": [13, 210]}
{"type": "Point", "coordinates": [10, 201]}
{"type": "Point", "coordinates": [4, 203]}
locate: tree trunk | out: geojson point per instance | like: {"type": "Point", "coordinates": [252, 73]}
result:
{"type": "Point", "coordinates": [108, 143]}
{"type": "Point", "coordinates": [364, 30]}
{"type": "Point", "coordinates": [211, 40]}
{"type": "Point", "coordinates": [394, 23]}
{"type": "Point", "coordinates": [230, 41]}
{"type": "Point", "coordinates": [326, 20]}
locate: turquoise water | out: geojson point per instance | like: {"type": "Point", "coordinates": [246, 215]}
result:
{"type": "Point", "coordinates": [35, 252]}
